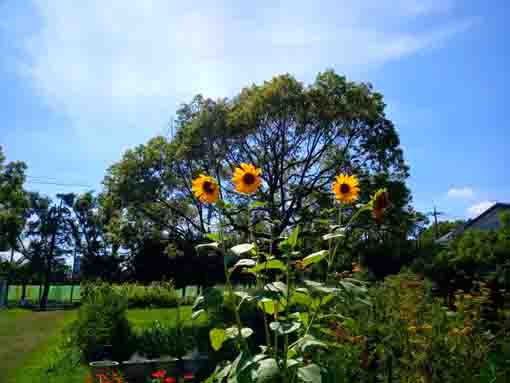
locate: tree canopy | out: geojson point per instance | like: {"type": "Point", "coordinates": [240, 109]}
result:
{"type": "Point", "coordinates": [300, 136]}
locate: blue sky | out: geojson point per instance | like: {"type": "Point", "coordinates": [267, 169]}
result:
{"type": "Point", "coordinates": [84, 81]}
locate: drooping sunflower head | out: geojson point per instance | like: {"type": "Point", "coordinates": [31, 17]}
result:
{"type": "Point", "coordinates": [206, 189]}
{"type": "Point", "coordinates": [247, 178]}
{"type": "Point", "coordinates": [380, 202]}
{"type": "Point", "coordinates": [346, 188]}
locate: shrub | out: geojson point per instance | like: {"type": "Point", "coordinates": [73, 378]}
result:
{"type": "Point", "coordinates": [157, 294]}
{"type": "Point", "coordinates": [162, 339]}
{"type": "Point", "coordinates": [102, 323]}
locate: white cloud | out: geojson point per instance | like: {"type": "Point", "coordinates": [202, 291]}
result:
{"type": "Point", "coordinates": [110, 67]}
{"type": "Point", "coordinates": [479, 208]}
{"type": "Point", "coordinates": [461, 193]}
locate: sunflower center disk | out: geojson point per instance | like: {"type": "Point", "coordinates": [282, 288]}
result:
{"type": "Point", "coordinates": [249, 179]}
{"type": "Point", "coordinates": [208, 187]}
{"type": "Point", "coordinates": [344, 188]}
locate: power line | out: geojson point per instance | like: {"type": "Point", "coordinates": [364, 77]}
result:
{"type": "Point", "coordinates": [58, 184]}
{"type": "Point", "coordinates": [43, 180]}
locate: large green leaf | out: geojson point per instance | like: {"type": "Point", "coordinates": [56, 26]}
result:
{"type": "Point", "coordinates": [282, 328]}
{"type": "Point", "coordinates": [301, 298]}
{"type": "Point", "coordinates": [211, 245]}
{"type": "Point", "coordinates": [197, 314]}
{"type": "Point", "coordinates": [232, 332]}
{"type": "Point", "coordinates": [320, 287]}
{"type": "Point", "coordinates": [309, 342]}
{"type": "Point", "coordinates": [301, 316]}
{"type": "Point", "coordinates": [273, 264]}
{"type": "Point", "coordinates": [245, 262]}
{"type": "Point", "coordinates": [315, 257]}
{"type": "Point", "coordinates": [293, 238]}
{"type": "Point", "coordinates": [333, 236]}
{"type": "Point", "coordinates": [351, 287]}
{"type": "Point", "coordinates": [269, 306]}
{"type": "Point", "coordinates": [267, 371]}
{"type": "Point", "coordinates": [310, 373]}
{"type": "Point", "coordinates": [242, 248]}
{"type": "Point", "coordinates": [217, 337]}
{"type": "Point", "coordinates": [276, 287]}
{"type": "Point", "coordinates": [214, 237]}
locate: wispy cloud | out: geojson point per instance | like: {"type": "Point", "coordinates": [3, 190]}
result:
{"type": "Point", "coordinates": [479, 208]}
{"type": "Point", "coordinates": [461, 193]}
{"type": "Point", "coordinates": [109, 67]}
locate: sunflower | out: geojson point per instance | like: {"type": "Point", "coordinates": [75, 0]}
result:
{"type": "Point", "coordinates": [346, 188]}
{"type": "Point", "coordinates": [206, 189]}
{"type": "Point", "coordinates": [380, 202]}
{"type": "Point", "coordinates": [247, 178]}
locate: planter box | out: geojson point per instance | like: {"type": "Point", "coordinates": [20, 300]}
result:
{"type": "Point", "coordinates": [137, 370]}
{"type": "Point", "coordinates": [169, 364]}
{"type": "Point", "coordinates": [140, 370]}
{"type": "Point", "coordinates": [193, 363]}
{"type": "Point", "coordinates": [106, 367]}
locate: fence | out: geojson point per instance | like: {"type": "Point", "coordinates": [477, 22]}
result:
{"type": "Point", "coordinates": [58, 293]}
{"type": "Point", "coordinates": [71, 294]}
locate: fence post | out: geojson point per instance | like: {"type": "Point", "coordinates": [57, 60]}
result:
{"type": "Point", "coordinates": [72, 289]}
{"type": "Point", "coordinates": [3, 293]}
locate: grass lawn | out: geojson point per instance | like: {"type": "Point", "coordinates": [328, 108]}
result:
{"type": "Point", "coordinates": [28, 338]}
{"type": "Point", "coordinates": [24, 333]}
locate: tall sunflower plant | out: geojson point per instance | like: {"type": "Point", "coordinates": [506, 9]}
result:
{"type": "Point", "coordinates": [296, 311]}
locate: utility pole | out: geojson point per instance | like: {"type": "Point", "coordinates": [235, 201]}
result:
{"type": "Point", "coordinates": [435, 213]}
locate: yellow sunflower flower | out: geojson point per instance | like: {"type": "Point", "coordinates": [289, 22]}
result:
{"type": "Point", "coordinates": [247, 178]}
{"type": "Point", "coordinates": [346, 188]}
{"type": "Point", "coordinates": [206, 189]}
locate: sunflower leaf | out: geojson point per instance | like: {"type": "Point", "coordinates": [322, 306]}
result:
{"type": "Point", "coordinates": [211, 245]}
{"type": "Point", "coordinates": [242, 248]}
{"type": "Point", "coordinates": [315, 257]}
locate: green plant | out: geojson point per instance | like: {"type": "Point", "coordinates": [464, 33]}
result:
{"type": "Point", "coordinates": [294, 310]}
{"type": "Point", "coordinates": [162, 339]}
{"type": "Point", "coordinates": [102, 322]}
{"type": "Point", "coordinates": [157, 294]}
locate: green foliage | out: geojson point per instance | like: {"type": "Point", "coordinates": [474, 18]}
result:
{"type": "Point", "coordinates": [301, 136]}
{"type": "Point", "coordinates": [101, 322]}
{"type": "Point", "coordinates": [168, 339]}
{"type": "Point", "coordinates": [14, 203]}
{"type": "Point", "coordinates": [157, 294]}
{"type": "Point", "coordinates": [474, 252]}
{"type": "Point", "coordinates": [286, 312]}
{"type": "Point", "coordinates": [443, 228]}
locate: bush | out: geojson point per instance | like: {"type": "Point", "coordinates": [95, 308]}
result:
{"type": "Point", "coordinates": [164, 339]}
{"type": "Point", "coordinates": [157, 294]}
{"type": "Point", "coordinates": [102, 327]}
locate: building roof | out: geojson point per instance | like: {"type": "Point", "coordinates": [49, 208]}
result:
{"type": "Point", "coordinates": [459, 230]}
{"type": "Point", "coordinates": [496, 206]}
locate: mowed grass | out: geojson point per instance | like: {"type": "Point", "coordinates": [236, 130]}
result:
{"type": "Point", "coordinates": [23, 333]}
{"type": "Point", "coordinates": [27, 339]}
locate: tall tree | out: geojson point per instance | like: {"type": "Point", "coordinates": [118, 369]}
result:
{"type": "Point", "coordinates": [87, 223]}
{"type": "Point", "coordinates": [301, 136]}
{"type": "Point", "coordinates": [14, 203]}
{"type": "Point", "coordinates": [49, 238]}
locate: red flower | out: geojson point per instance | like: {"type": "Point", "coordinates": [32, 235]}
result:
{"type": "Point", "coordinates": [188, 376]}
{"type": "Point", "coordinates": [159, 374]}
{"type": "Point", "coordinates": [169, 379]}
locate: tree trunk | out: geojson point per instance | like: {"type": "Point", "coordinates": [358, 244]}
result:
{"type": "Point", "coordinates": [23, 291]}
{"type": "Point", "coordinates": [72, 291]}
{"type": "Point", "coordinates": [9, 277]}
{"type": "Point", "coordinates": [46, 289]}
